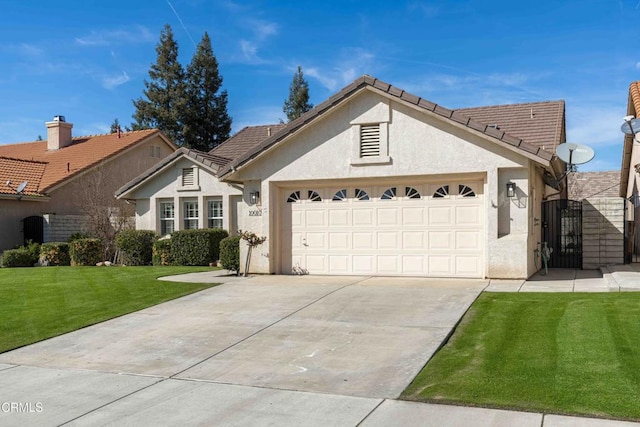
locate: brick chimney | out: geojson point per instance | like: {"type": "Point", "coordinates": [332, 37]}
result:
{"type": "Point", "coordinates": [58, 133]}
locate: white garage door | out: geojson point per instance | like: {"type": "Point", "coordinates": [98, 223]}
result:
{"type": "Point", "coordinates": [413, 229]}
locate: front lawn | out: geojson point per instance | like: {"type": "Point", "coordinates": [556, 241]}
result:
{"type": "Point", "coordinates": [556, 353]}
{"type": "Point", "coordinates": [39, 303]}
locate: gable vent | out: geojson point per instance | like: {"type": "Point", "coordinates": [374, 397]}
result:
{"type": "Point", "coordinates": [370, 140]}
{"type": "Point", "coordinates": [188, 177]}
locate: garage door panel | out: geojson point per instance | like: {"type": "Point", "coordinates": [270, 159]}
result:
{"type": "Point", "coordinates": [339, 241]}
{"type": "Point", "coordinates": [412, 232]}
{"type": "Point", "coordinates": [388, 240]}
{"type": "Point", "coordinates": [468, 240]}
{"type": "Point", "coordinates": [388, 216]}
{"type": "Point", "coordinates": [338, 217]}
{"type": "Point", "coordinates": [362, 217]}
{"type": "Point", "coordinates": [363, 240]}
{"type": "Point", "coordinates": [440, 240]}
{"type": "Point", "coordinates": [440, 215]}
{"type": "Point", "coordinates": [413, 240]}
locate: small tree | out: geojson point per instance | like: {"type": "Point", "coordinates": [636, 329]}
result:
{"type": "Point", "coordinates": [252, 240]}
{"type": "Point", "coordinates": [115, 126]}
{"type": "Point", "coordinates": [298, 102]}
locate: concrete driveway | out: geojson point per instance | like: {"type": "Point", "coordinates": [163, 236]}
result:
{"type": "Point", "coordinates": [365, 338]}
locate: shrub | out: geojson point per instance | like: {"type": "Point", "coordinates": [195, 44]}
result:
{"type": "Point", "coordinates": [196, 247]}
{"type": "Point", "coordinates": [85, 251]}
{"type": "Point", "coordinates": [34, 251]}
{"type": "Point", "coordinates": [20, 257]}
{"type": "Point", "coordinates": [78, 236]}
{"type": "Point", "coordinates": [162, 252]}
{"type": "Point", "coordinates": [136, 246]}
{"type": "Point", "coordinates": [230, 253]}
{"type": "Point", "coordinates": [54, 253]}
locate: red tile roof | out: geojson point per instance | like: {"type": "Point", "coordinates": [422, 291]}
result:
{"type": "Point", "coordinates": [60, 165]}
{"type": "Point", "coordinates": [14, 172]}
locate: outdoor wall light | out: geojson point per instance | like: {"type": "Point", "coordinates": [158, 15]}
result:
{"type": "Point", "coordinates": [511, 189]}
{"type": "Point", "coordinates": [254, 198]}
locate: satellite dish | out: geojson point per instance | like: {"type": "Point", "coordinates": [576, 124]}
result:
{"type": "Point", "coordinates": [631, 126]}
{"type": "Point", "coordinates": [575, 154]}
{"type": "Point", "coordinates": [21, 187]}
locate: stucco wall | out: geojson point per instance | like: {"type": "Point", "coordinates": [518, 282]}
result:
{"type": "Point", "coordinates": [419, 144]}
{"type": "Point", "coordinates": [167, 185]}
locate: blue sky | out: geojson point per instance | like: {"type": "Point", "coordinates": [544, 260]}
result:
{"type": "Point", "coordinates": [87, 60]}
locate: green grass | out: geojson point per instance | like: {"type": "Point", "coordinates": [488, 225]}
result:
{"type": "Point", "coordinates": [39, 303]}
{"type": "Point", "coordinates": [554, 353]}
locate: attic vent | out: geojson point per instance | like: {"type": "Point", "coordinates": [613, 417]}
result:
{"type": "Point", "coordinates": [188, 177]}
{"type": "Point", "coordinates": [370, 140]}
{"type": "Point", "coordinates": [494, 125]}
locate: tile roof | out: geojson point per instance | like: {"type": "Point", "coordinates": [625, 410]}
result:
{"type": "Point", "coordinates": [633, 107]}
{"type": "Point", "coordinates": [83, 153]}
{"type": "Point", "coordinates": [538, 123]}
{"type": "Point", "coordinates": [246, 139]}
{"type": "Point", "coordinates": [585, 185]}
{"type": "Point", "coordinates": [516, 142]}
{"type": "Point", "coordinates": [208, 160]}
{"type": "Point", "coordinates": [14, 172]}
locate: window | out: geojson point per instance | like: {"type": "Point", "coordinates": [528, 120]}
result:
{"type": "Point", "coordinates": [340, 195]}
{"type": "Point", "coordinates": [411, 193]}
{"type": "Point", "coordinates": [370, 140]}
{"type": "Point", "coordinates": [167, 216]}
{"type": "Point", "coordinates": [214, 214]}
{"type": "Point", "coordinates": [293, 197]}
{"type": "Point", "coordinates": [188, 177]}
{"type": "Point", "coordinates": [465, 191]}
{"type": "Point", "coordinates": [389, 194]}
{"type": "Point", "coordinates": [442, 192]}
{"type": "Point", "coordinates": [361, 194]}
{"type": "Point", "coordinates": [190, 215]}
{"type": "Point", "coordinates": [314, 197]}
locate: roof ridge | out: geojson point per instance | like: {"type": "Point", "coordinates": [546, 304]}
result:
{"type": "Point", "coordinates": [512, 104]}
{"type": "Point", "coordinates": [24, 160]}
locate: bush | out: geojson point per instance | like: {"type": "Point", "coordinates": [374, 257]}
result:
{"type": "Point", "coordinates": [136, 246]}
{"type": "Point", "coordinates": [230, 253]}
{"type": "Point", "coordinates": [196, 247]}
{"type": "Point", "coordinates": [162, 252]}
{"type": "Point", "coordinates": [85, 251]}
{"type": "Point", "coordinates": [78, 236]}
{"type": "Point", "coordinates": [20, 257]}
{"type": "Point", "coordinates": [54, 253]}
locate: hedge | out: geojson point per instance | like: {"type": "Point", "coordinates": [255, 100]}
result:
{"type": "Point", "coordinates": [136, 246]}
{"type": "Point", "coordinates": [196, 247]}
{"type": "Point", "coordinates": [162, 252]}
{"type": "Point", "coordinates": [230, 253]}
{"type": "Point", "coordinates": [20, 257]}
{"type": "Point", "coordinates": [54, 253]}
{"type": "Point", "coordinates": [85, 251]}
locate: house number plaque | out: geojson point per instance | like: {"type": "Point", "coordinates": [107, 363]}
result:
{"type": "Point", "coordinates": [255, 212]}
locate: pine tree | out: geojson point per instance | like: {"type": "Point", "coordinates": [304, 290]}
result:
{"type": "Point", "coordinates": [206, 120]}
{"type": "Point", "coordinates": [115, 126]}
{"type": "Point", "coordinates": [298, 102]}
{"type": "Point", "coordinates": [164, 97]}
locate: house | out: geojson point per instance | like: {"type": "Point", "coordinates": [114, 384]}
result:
{"type": "Point", "coordinates": [45, 186]}
{"type": "Point", "coordinates": [375, 181]}
{"type": "Point", "coordinates": [630, 177]}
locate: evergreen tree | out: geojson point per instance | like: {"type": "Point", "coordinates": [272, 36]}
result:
{"type": "Point", "coordinates": [298, 102]}
{"type": "Point", "coordinates": [206, 122]}
{"type": "Point", "coordinates": [114, 126]}
{"type": "Point", "coordinates": [164, 97]}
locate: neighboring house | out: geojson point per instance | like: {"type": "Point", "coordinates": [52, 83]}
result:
{"type": "Point", "coordinates": [60, 174]}
{"type": "Point", "coordinates": [376, 181]}
{"type": "Point", "coordinates": [604, 231]}
{"type": "Point", "coordinates": [630, 176]}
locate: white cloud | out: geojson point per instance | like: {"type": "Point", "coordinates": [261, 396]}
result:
{"type": "Point", "coordinates": [137, 34]}
{"type": "Point", "coordinates": [263, 29]}
{"type": "Point", "coordinates": [111, 82]}
{"type": "Point", "coordinates": [595, 125]}
{"type": "Point", "coordinates": [351, 64]}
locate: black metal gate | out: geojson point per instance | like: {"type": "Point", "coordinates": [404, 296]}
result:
{"type": "Point", "coordinates": [562, 230]}
{"type": "Point", "coordinates": [33, 228]}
